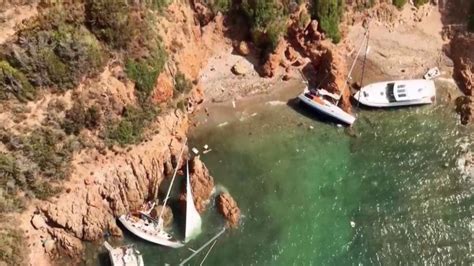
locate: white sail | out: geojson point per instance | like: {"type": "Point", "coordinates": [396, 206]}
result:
{"type": "Point", "coordinates": [193, 219]}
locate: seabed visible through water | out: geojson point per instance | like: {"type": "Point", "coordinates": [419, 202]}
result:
{"type": "Point", "coordinates": [390, 192]}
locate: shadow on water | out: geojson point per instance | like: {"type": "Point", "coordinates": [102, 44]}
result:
{"type": "Point", "coordinates": [308, 112]}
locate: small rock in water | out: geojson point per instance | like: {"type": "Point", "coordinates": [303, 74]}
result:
{"type": "Point", "coordinates": [195, 151]}
{"type": "Point", "coordinates": [353, 224]}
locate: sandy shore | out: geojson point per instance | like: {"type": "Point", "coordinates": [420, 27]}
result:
{"type": "Point", "coordinates": [402, 50]}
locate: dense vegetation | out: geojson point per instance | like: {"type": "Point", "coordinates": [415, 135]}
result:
{"type": "Point", "coordinates": [54, 51]}
{"type": "Point", "coordinates": [12, 247]}
{"type": "Point", "coordinates": [399, 3]}
{"type": "Point", "coordinates": [130, 128]}
{"type": "Point", "coordinates": [329, 14]}
{"type": "Point", "coordinates": [470, 22]}
{"type": "Point", "coordinates": [219, 5]}
{"type": "Point", "coordinates": [267, 19]}
{"type": "Point", "coordinates": [80, 117]}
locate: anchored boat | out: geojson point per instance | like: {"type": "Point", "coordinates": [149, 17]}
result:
{"type": "Point", "coordinates": [397, 93]}
{"type": "Point", "coordinates": [321, 100]}
{"type": "Point", "coordinates": [124, 255]}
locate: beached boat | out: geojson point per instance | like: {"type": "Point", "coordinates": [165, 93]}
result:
{"type": "Point", "coordinates": [149, 230]}
{"type": "Point", "coordinates": [322, 101]}
{"type": "Point", "coordinates": [124, 255]}
{"type": "Point", "coordinates": [326, 102]}
{"type": "Point", "coordinates": [397, 93]}
{"type": "Point", "coordinates": [193, 219]}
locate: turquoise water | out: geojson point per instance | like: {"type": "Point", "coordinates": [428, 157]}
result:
{"type": "Point", "coordinates": [387, 192]}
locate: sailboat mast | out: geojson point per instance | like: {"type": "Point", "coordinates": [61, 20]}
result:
{"type": "Point", "coordinates": [172, 181]}
{"type": "Point", "coordinates": [353, 64]}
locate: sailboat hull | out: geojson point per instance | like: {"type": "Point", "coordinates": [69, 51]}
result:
{"type": "Point", "coordinates": [327, 108]}
{"type": "Point", "coordinates": [149, 233]}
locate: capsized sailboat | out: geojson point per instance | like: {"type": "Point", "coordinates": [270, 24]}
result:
{"type": "Point", "coordinates": [193, 219]}
{"type": "Point", "coordinates": [326, 102]}
{"type": "Point", "coordinates": [153, 230]}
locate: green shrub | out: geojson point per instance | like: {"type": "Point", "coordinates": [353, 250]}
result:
{"type": "Point", "coordinates": [399, 3]}
{"type": "Point", "coordinates": [222, 6]}
{"type": "Point", "coordinates": [158, 5]}
{"type": "Point", "coordinates": [470, 22]}
{"type": "Point", "coordinates": [268, 21]}
{"type": "Point", "coordinates": [329, 14]}
{"type": "Point", "coordinates": [12, 181]}
{"type": "Point", "coordinates": [420, 2]}
{"type": "Point", "coordinates": [130, 128]}
{"type": "Point", "coordinates": [182, 84]}
{"type": "Point", "coordinates": [109, 21]}
{"type": "Point", "coordinates": [43, 190]}
{"type": "Point", "coordinates": [53, 52]}
{"type": "Point", "coordinates": [13, 82]}
{"type": "Point", "coordinates": [144, 71]}
{"type": "Point", "coordinates": [50, 150]}
{"type": "Point", "coordinates": [80, 117]}
{"type": "Point", "coordinates": [13, 248]}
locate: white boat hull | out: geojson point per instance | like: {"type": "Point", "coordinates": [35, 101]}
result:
{"type": "Point", "coordinates": [415, 92]}
{"type": "Point", "coordinates": [149, 233]}
{"type": "Point", "coordinates": [328, 109]}
{"type": "Point", "coordinates": [124, 256]}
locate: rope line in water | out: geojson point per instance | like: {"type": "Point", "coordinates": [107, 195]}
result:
{"type": "Point", "coordinates": [209, 251]}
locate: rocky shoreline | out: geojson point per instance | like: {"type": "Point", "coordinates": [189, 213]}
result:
{"type": "Point", "coordinates": [106, 184]}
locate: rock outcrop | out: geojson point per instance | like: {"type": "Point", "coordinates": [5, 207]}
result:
{"type": "Point", "coordinates": [462, 53]}
{"type": "Point", "coordinates": [465, 108]}
{"type": "Point", "coordinates": [122, 183]}
{"type": "Point", "coordinates": [202, 184]}
{"type": "Point", "coordinates": [274, 59]}
{"type": "Point", "coordinates": [164, 89]}
{"type": "Point", "coordinates": [239, 69]}
{"type": "Point", "coordinates": [227, 206]}
{"type": "Point", "coordinates": [243, 48]}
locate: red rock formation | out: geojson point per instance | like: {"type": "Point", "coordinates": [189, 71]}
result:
{"type": "Point", "coordinates": [118, 185]}
{"type": "Point", "coordinates": [463, 57]}
{"type": "Point", "coordinates": [465, 108]}
{"type": "Point", "coordinates": [164, 89]}
{"type": "Point", "coordinates": [202, 184]}
{"type": "Point", "coordinates": [227, 206]}
{"type": "Point", "coordinates": [274, 59]}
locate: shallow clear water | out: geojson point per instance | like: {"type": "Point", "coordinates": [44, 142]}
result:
{"type": "Point", "coordinates": [387, 192]}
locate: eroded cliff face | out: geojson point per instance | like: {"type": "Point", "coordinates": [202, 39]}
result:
{"type": "Point", "coordinates": [109, 182]}
{"type": "Point", "coordinates": [103, 187]}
